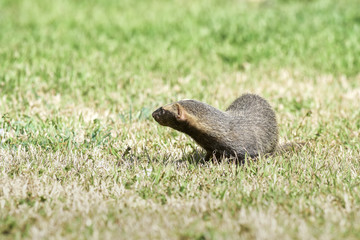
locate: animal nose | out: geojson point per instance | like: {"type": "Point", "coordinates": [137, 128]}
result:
{"type": "Point", "coordinates": [157, 113]}
{"type": "Point", "coordinates": [154, 115]}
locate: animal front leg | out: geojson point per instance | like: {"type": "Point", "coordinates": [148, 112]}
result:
{"type": "Point", "coordinates": [208, 156]}
{"type": "Point", "coordinates": [214, 155]}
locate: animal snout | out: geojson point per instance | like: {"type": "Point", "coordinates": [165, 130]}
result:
{"type": "Point", "coordinates": [157, 113]}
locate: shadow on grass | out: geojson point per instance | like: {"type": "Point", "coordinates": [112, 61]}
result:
{"type": "Point", "coordinates": [197, 157]}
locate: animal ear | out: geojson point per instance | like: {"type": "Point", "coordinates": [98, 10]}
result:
{"type": "Point", "coordinates": [180, 112]}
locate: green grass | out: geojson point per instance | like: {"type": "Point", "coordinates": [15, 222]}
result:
{"type": "Point", "coordinates": [81, 157]}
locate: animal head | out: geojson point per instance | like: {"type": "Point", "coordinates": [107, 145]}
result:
{"type": "Point", "coordinates": [170, 115]}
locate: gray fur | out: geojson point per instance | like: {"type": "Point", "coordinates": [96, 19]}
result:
{"type": "Point", "coordinates": [248, 127]}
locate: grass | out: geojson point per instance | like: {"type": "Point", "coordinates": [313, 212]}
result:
{"type": "Point", "coordinates": [81, 157]}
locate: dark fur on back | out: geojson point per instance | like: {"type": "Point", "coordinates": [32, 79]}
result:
{"type": "Point", "coordinates": [248, 127]}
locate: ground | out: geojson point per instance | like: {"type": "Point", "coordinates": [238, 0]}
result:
{"type": "Point", "coordinates": [81, 157]}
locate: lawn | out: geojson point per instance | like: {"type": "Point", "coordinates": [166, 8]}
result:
{"type": "Point", "coordinates": [82, 158]}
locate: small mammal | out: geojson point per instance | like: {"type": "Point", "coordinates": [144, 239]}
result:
{"type": "Point", "coordinates": [247, 128]}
